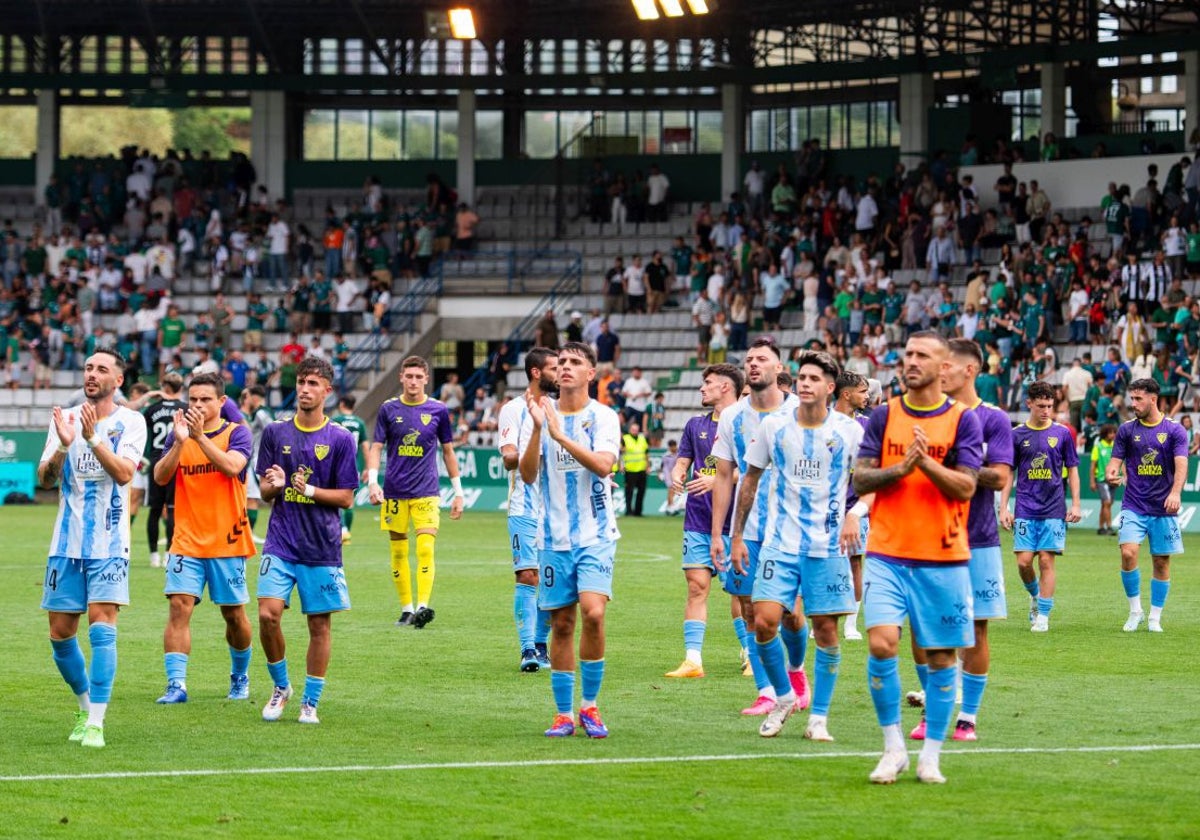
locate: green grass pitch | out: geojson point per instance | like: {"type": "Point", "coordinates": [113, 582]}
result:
{"type": "Point", "coordinates": [1085, 732]}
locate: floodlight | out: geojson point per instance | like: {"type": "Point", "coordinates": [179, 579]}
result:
{"type": "Point", "coordinates": [462, 24]}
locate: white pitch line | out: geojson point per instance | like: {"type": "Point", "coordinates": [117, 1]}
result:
{"type": "Point", "coordinates": [565, 762]}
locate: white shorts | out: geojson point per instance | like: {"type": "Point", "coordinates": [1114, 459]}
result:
{"type": "Point", "coordinates": [252, 491]}
{"type": "Point", "coordinates": [140, 481]}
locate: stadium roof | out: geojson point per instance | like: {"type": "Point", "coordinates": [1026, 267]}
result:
{"type": "Point", "coordinates": [916, 25]}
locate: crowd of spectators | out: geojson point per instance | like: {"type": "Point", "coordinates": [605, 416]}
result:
{"type": "Point", "coordinates": [117, 234]}
{"type": "Point", "coordinates": [833, 246]}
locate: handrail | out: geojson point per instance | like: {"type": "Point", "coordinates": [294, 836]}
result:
{"type": "Point", "coordinates": [568, 285]}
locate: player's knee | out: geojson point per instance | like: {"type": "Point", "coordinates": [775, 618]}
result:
{"type": "Point", "coordinates": [697, 589]}
{"type": "Point", "coordinates": [563, 626]}
{"type": "Point", "coordinates": [592, 615]}
{"type": "Point", "coordinates": [825, 630]}
{"type": "Point", "coordinates": [269, 617]}
{"type": "Point", "coordinates": [1162, 567]}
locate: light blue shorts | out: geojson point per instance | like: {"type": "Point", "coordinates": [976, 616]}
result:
{"type": "Point", "coordinates": [72, 584]}
{"type": "Point", "coordinates": [322, 588]}
{"type": "Point", "coordinates": [1040, 535]}
{"type": "Point", "coordinates": [936, 600]}
{"type": "Point", "coordinates": [697, 552]}
{"type": "Point", "coordinates": [225, 577]}
{"type": "Point", "coordinates": [742, 585]}
{"type": "Point", "coordinates": [1162, 530]}
{"type": "Point", "coordinates": [522, 533]}
{"type": "Point", "coordinates": [564, 574]}
{"type": "Point", "coordinates": [824, 583]}
{"type": "Point", "coordinates": [987, 583]}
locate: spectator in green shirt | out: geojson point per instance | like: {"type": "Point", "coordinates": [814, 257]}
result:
{"type": "Point", "coordinates": [280, 316]}
{"type": "Point", "coordinates": [322, 291]}
{"type": "Point", "coordinates": [1101, 455]}
{"type": "Point", "coordinates": [987, 386]}
{"type": "Point", "coordinates": [256, 318]}
{"type": "Point", "coordinates": [171, 332]}
{"type": "Point", "coordinates": [872, 303]}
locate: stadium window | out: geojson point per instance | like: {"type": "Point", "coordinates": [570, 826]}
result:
{"type": "Point", "coordinates": [541, 129]}
{"type": "Point", "coordinates": [385, 135]}
{"type": "Point", "coordinates": [615, 57]}
{"type": "Point", "coordinates": [353, 136]}
{"type": "Point", "coordinates": [445, 355]}
{"type": "Point", "coordinates": [354, 55]}
{"type": "Point", "coordinates": [489, 135]}
{"type": "Point", "coordinates": [708, 132]}
{"type": "Point", "coordinates": [593, 61]}
{"type": "Point", "coordinates": [1146, 84]}
{"type": "Point", "coordinates": [570, 123]}
{"type": "Point", "coordinates": [820, 122]}
{"type": "Point", "coordinates": [447, 133]}
{"type": "Point", "coordinates": [858, 126]}
{"type": "Point", "coordinates": [546, 57]}
{"type": "Point", "coordinates": [320, 135]}
{"type": "Point", "coordinates": [419, 135]}
{"type": "Point", "coordinates": [1169, 84]}
{"type": "Point", "coordinates": [454, 57]}
{"type": "Point", "coordinates": [569, 50]}
{"type": "Point", "coordinates": [758, 131]}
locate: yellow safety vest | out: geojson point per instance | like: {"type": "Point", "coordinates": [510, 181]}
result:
{"type": "Point", "coordinates": [635, 453]}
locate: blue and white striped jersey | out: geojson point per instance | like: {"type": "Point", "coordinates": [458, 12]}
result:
{"type": "Point", "coordinates": [806, 484]}
{"type": "Point", "coordinates": [514, 430]}
{"type": "Point", "coordinates": [93, 510]}
{"type": "Point", "coordinates": [736, 427]}
{"type": "Point", "coordinates": [577, 504]}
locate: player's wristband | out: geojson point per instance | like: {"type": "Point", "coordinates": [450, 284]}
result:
{"type": "Point", "coordinates": [860, 509]}
{"type": "Point", "coordinates": [456, 483]}
{"type": "Point", "coordinates": [309, 490]}
{"type": "Point", "coordinates": [63, 450]}
{"type": "Point", "coordinates": [372, 476]}
{"type": "Point", "coordinates": [93, 441]}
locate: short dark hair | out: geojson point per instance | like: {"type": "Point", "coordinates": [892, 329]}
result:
{"type": "Point", "coordinates": [410, 362]}
{"type": "Point", "coordinates": [579, 349]}
{"type": "Point", "coordinates": [315, 364]}
{"type": "Point", "coordinates": [847, 380]}
{"type": "Point", "coordinates": [213, 380]}
{"type": "Point", "coordinates": [254, 390]}
{"type": "Point", "coordinates": [348, 400]}
{"type": "Point", "coordinates": [967, 347]}
{"type": "Point", "coordinates": [1145, 385]}
{"type": "Point", "coordinates": [1107, 428]}
{"type": "Point", "coordinates": [769, 342]}
{"type": "Point", "coordinates": [731, 372]}
{"type": "Point", "coordinates": [536, 358]}
{"type": "Point", "coordinates": [821, 359]}
{"type": "Point", "coordinates": [109, 350]}
{"type": "Point", "coordinates": [783, 380]}
{"type": "Point", "coordinates": [1045, 391]}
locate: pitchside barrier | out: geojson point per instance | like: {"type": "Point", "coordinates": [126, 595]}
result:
{"type": "Point", "coordinates": [485, 481]}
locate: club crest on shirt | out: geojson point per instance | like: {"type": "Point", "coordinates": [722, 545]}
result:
{"type": "Point", "coordinates": [1053, 441]}
{"type": "Point", "coordinates": [1162, 437]}
{"type": "Point", "coordinates": [425, 418]}
{"type": "Point", "coordinates": [321, 450]}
